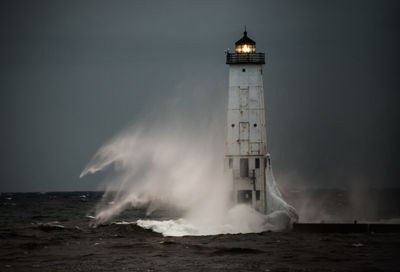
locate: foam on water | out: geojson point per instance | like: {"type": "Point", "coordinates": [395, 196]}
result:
{"type": "Point", "coordinates": [178, 227]}
{"type": "Point", "coordinates": [239, 219]}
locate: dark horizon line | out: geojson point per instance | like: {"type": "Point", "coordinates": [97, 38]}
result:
{"type": "Point", "coordinates": [291, 190]}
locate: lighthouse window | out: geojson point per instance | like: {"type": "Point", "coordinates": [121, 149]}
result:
{"type": "Point", "coordinates": [257, 163]}
{"type": "Point", "coordinates": [244, 196]}
{"type": "Point", "coordinates": [243, 70]}
{"type": "Point", "coordinates": [255, 125]}
{"type": "Point", "coordinates": [244, 168]}
{"type": "Point", "coordinates": [230, 163]}
{"type": "Point", "coordinates": [258, 195]}
{"type": "Point", "coordinates": [233, 125]}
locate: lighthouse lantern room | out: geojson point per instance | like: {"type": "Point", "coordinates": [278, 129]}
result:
{"type": "Point", "coordinates": [245, 45]}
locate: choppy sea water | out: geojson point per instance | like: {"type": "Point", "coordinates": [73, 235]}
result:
{"type": "Point", "coordinates": [78, 208]}
{"type": "Point", "coordinates": [64, 208]}
{"type": "Point", "coordinates": [52, 232]}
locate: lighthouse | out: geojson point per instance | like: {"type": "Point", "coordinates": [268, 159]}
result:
{"type": "Point", "coordinates": [246, 157]}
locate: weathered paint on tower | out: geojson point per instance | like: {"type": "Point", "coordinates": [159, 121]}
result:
{"type": "Point", "coordinates": [246, 143]}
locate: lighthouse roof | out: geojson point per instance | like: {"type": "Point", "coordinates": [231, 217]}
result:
{"type": "Point", "coordinates": [245, 40]}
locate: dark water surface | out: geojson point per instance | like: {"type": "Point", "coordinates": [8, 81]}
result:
{"type": "Point", "coordinates": [50, 232]}
{"type": "Point", "coordinates": [65, 208]}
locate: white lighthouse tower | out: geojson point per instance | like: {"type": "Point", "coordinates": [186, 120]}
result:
{"type": "Point", "coordinates": [246, 157]}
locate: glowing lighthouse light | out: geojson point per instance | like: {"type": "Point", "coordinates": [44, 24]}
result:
{"type": "Point", "coordinates": [245, 45]}
{"type": "Point", "coordinates": [246, 48]}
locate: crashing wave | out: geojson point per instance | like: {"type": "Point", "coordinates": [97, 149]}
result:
{"type": "Point", "coordinates": [280, 214]}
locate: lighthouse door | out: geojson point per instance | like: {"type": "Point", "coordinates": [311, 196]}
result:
{"type": "Point", "coordinates": [244, 128]}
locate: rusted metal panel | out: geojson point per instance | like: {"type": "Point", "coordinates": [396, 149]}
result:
{"type": "Point", "coordinates": [243, 98]}
{"type": "Point", "coordinates": [255, 148]}
{"type": "Point", "coordinates": [244, 129]}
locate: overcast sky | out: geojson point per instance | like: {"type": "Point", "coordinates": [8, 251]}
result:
{"type": "Point", "coordinates": [75, 73]}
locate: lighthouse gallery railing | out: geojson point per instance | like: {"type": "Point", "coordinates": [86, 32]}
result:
{"type": "Point", "coordinates": [245, 58]}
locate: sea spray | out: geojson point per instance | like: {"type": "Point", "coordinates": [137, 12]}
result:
{"type": "Point", "coordinates": [178, 165]}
